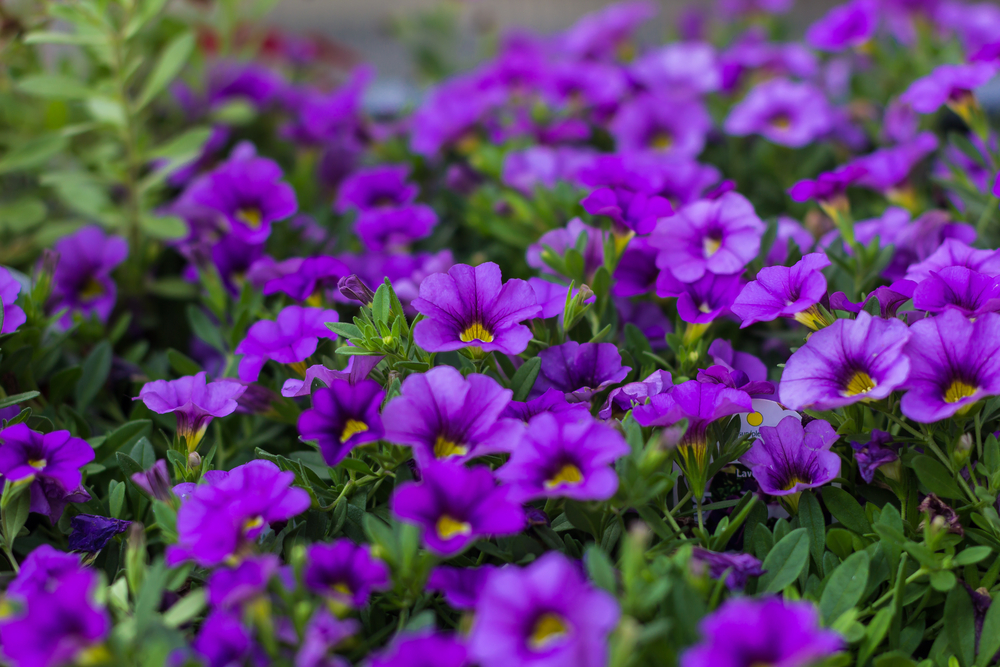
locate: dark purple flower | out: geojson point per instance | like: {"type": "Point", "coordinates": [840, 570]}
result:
{"type": "Point", "coordinates": [889, 299]}
{"type": "Point", "coordinates": [628, 210]}
{"type": "Point", "coordinates": [232, 587]}
{"type": "Point", "coordinates": [376, 188]}
{"type": "Point", "coordinates": [344, 572]}
{"type": "Point", "coordinates": [955, 253]}
{"type": "Point", "coordinates": [828, 186]}
{"type": "Point", "coordinates": [353, 287]}
{"type": "Point", "coordinates": [670, 124]}
{"type": "Point", "coordinates": [291, 339]}
{"type": "Point", "coordinates": [253, 82]}
{"type": "Point", "coordinates": [220, 520]}
{"type": "Point", "coordinates": [948, 84]}
{"type": "Point", "coordinates": [155, 482]}
{"type": "Point", "coordinates": [941, 515]}
{"type": "Point", "coordinates": [471, 306]}
{"type": "Point", "coordinates": [307, 283]}
{"type": "Point", "coordinates": [342, 417]}
{"type": "Point", "coordinates": [968, 292]}
{"type": "Point", "coordinates": [637, 271]}
{"type": "Point", "coordinates": [710, 236]}
{"type": "Point", "coordinates": [781, 291]}
{"type": "Point", "coordinates": [391, 228]}
{"type": "Point", "coordinates": [456, 505]}
{"type": "Point", "coordinates": [565, 455]}
{"type": "Point", "coordinates": [323, 633]}
{"type": "Point", "coordinates": [562, 239]}
{"type": "Point", "coordinates": [887, 169]}
{"type": "Point", "coordinates": [442, 415]}
{"type": "Point", "coordinates": [423, 650]}
{"type": "Point", "coordinates": [847, 362]}
{"type": "Point", "coordinates": [43, 570]}
{"type": "Point", "coordinates": [224, 640]}
{"type": "Point", "coordinates": [461, 586]}
{"type": "Point", "coordinates": [49, 462]}
{"type": "Point", "coordinates": [703, 300]}
{"type": "Point", "coordinates": [872, 455]}
{"type": "Point", "coordinates": [193, 401]}
{"type": "Point", "coordinates": [544, 614]}
{"type": "Point", "coordinates": [736, 567]}
{"type": "Point", "coordinates": [13, 315]}
{"type": "Point", "coordinates": [82, 280]}
{"type": "Point", "coordinates": [786, 113]}
{"type": "Point", "coordinates": [552, 400]}
{"type": "Point", "coordinates": [789, 458]}
{"type": "Point", "coordinates": [624, 398]}
{"type": "Point", "coordinates": [579, 370]}
{"type": "Point", "coordinates": [91, 533]}
{"type": "Point", "coordinates": [954, 362]}
{"type": "Point", "coordinates": [846, 26]}
{"type": "Point", "coordinates": [753, 53]}
{"type": "Point", "coordinates": [746, 632]}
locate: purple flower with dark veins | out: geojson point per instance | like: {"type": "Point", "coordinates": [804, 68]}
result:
{"type": "Point", "coordinates": [308, 282]}
{"type": "Point", "coordinates": [624, 398]}
{"type": "Point", "coordinates": [343, 416]}
{"type": "Point", "coordinates": [781, 291]}
{"type": "Point", "coordinates": [195, 402]}
{"type": "Point", "coordinates": [155, 482]}
{"type": "Point", "coordinates": [736, 380]}
{"type": "Point", "coordinates": [969, 292]}
{"type": "Point", "coordinates": [874, 454]}
{"type": "Point", "coordinates": [628, 210]}
{"type": "Point", "coordinates": [291, 339]}
{"type": "Point", "coordinates": [579, 370]}
{"type": "Point", "coordinates": [737, 567]}
{"type": "Point", "coordinates": [956, 253]}
{"type": "Point", "coordinates": [82, 280]}
{"type": "Point", "coordinates": [703, 300]}
{"type": "Point", "coordinates": [790, 458]}
{"type": "Point", "coordinates": [344, 572]}
{"type": "Point", "coordinates": [552, 400]}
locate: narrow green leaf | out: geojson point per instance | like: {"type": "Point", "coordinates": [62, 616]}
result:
{"type": "Point", "coordinates": [960, 625]}
{"type": "Point", "coordinates": [785, 561]}
{"type": "Point", "coordinates": [845, 586]}
{"type": "Point", "coordinates": [600, 569]}
{"type": "Point", "coordinates": [935, 477]}
{"type": "Point", "coordinates": [96, 367]}
{"type": "Point", "coordinates": [185, 609]}
{"type": "Point", "coordinates": [17, 398]}
{"type": "Point", "coordinates": [32, 153]}
{"type": "Point", "coordinates": [811, 518]}
{"type": "Point", "coordinates": [171, 61]}
{"type": "Point", "coordinates": [846, 509]}
{"type": "Point", "coordinates": [524, 378]}
{"type": "Point", "coordinates": [989, 641]}
{"type": "Point", "coordinates": [53, 86]}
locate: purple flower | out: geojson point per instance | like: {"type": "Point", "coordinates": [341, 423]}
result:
{"type": "Point", "coordinates": [193, 401]}
{"type": "Point", "coordinates": [562, 239]}
{"type": "Point", "coordinates": [461, 586]}
{"type": "Point", "coordinates": [354, 288]}
{"type": "Point", "coordinates": [307, 282]}
{"type": "Point", "coordinates": [43, 570]}
{"type": "Point", "coordinates": [423, 650]}
{"type": "Point", "coordinates": [232, 587]}
{"type": "Point", "coordinates": [391, 228]}
{"type": "Point", "coordinates": [342, 417]}
{"type": "Point", "coordinates": [49, 462]}
{"type": "Point", "coordinates": [359, 366]}
{"type": "Point", "coordinates": [719, 236]}
{"type": "Point", "coordinates": [745, 632]}
{"type": "Point", "coordinates": [948, 84]}
{"type": "Point", "coordinates": [624, 398]}
{"type": "Point", "coordinates": [703, 300]}
{"type": "Point", "coordinates": [847, 362]}
{"type": "Point", "coordinates": [155, 482]}
{"type": "Point", "coordinates": [91, 533]}
{"type": "Point", "coordinates": [722, 354]}
{"type": "Point", "coordinates": [684, 68]}
{"type": "Point", "coordinates": [443, 415]}
{"type": "Point", "coordinates": [737, 567]}
{"type": "Point", "coordinates": [219, 521]}
{"type": "Point", "coordinates": [786, 113]}
{"type": "Point", "coordinates": [251, 81]}
{"type": "Point", "coordinates": [470, 306]}
{"type": "Point", "coordinates": [456, 505]}
{"type": "Point", "coordinates": [344, 572]}
{"type": "Point", "coordinates": [752, 53]}
{"type": "Point", "coordinates": [552, 400]}
{"type": "Point", "coordinates": [781, 291]}
{"type": "Point", "coordinates": [579, 370]}
{"type": "Point", "coordinates": [323, 633]}
{"type": "Point", "coordinates": [954, 363]}
{"type": "Point", "coordinates": [551, 297]}
{"type": "Point", "coordinates": [887, 169]}
{"type": "Point", "coordinates": [828, 186]}
{"type": "Point", "coordinates": [789, 231]}
{"type": "Point", "coordinates": [636, 273]}
{"type": "Point", "coordinates": [545, 614]}
{"type": "Point", "coordinates": [955, 253]}
{"type": "Point", "coordinates": [628, 210]}
{"type": "Point", "coordinates": [735, 380]}
{"type": "Point", "coordinates": [376, 188]}
{"type": "Point", "coordinates": [600, 34]}
{"type": "Point", "coordinates": [224, 640]}
{"type": "Point", "coordinates": [968, 292]}
{"type": "Point", "coordinates": [565, 455]}
{"type": "Point", "coordinates": [13, 316]}
{"type": "Point", "coordinates": [291, 339]}
{"type": "Point", "coordinates": [874, 454]}
{"type": "Point", "coordinates": [669, 124]}
{"type": "Point", "coordinates": [246, 192]}
{"type": "Point", "coordinates": [82, 280]}
{"type": "Point", "coordinates": [789, 458]}
{"type": "Point", "coordinates": [846, 26]}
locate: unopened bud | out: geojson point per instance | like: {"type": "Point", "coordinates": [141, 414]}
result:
{"type": "Point", "coordinates": [194, 460]}
{"type": "Point", "coordinates": [354, 288]}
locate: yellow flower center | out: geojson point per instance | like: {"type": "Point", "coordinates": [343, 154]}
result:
{"type": "Point", "coordinates": [251, 524]}
{"type": "Point", "coordinates": [448, 528]}
{"type": "Point", "coordinates": [444, 448]}
{"type": "Point", "coordinates": [549, 628]}
{"type": "Point", "coordinates": [251, 216]}
{"type": "Point", "coordinates": [38, 464]}
{"type": "Point", "coordinates": [476, 331]}
{"type": "Point", "coordinates": [958, 390]}
{"type": "Point", "coordinates": [790, 484]}
{"type": "Point", "coordinates": [342, 589]}
{"type": "Point", "coordinates": [568, 475]}
{"type": "Point", "coordinates": [711, 245]}
{"type": "Point", "coordinates": [352, 427]}
{"type": "Point", "coordinates": [860, 383]}
{"type": "Point", "coordinates": [782, 121]}
{"type": "Point", "coordinates": [91, 289]}
{"type": "Point", "coordinates": [810, 317]}
{"type": "Point", "coordinates": [300, 368]}
{"type": "Point", "coordinates": [663, 141]}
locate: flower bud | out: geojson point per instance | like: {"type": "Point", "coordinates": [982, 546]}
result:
{"type": "Point", "coordinates": [354, 288]}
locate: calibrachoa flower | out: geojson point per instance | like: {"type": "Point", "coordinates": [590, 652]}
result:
{"type": "Point", "coordinates": [13, 315]}
{"type": "Point", "coordinates": [954, 362]}
{"type": "Point", "coordinates": [887, 169]}
{"type": "Point", "coordinates": [704, 299]}
{"type": "Point", "coordinates": [456, 505]}
{"type": "Point", "coordinates": [957, 287]}
{"type": "Point", "coordinates": [629, 210]}
{"type": "Point", "coordinates": [343, 417]}
{"type": "Point", "coordinates": [565, 455]}
{"type": "Point", "coordinates": [543, 615]}
{"type": "Point", "coordinates": [470, 306]}
{"type": "Point", "coordinates": [323, 633]}
{"type": "Point", "coordinates": [956, 253]}
{"type": "Point", "coordinates": [194, 402]}
{"type": "Point", "coordinates": [874, 454]}
{"type": "Point", "coordinates": [49, 462]}
{"type": "Point", "coordinates": [829, 186]}
{"type": "Point", "coordinates": [844, 27]}
{"type": "Point", "coordinates": [579, 370]}
{"type": "Point", "coordinates": [290, 339]}
{"type": "Point", "coordinates": [719, 236]}
{"type": "Point", "coordinates": [461, 586]}
{"type": "Point", "coordinates": [669, 124]}
{"type": "Point", "coordinates": [735, 380]}
{"type": "Point", "coordinates": [781, 291]}
{"type": "Point", "coordinates": [789, 458]}
{"type": "Point", "coordinates": [443, 415]}
{"type": "Point", "coordinates": [948, 84]}
{"type": "Point", "coordinates": [42, 571]}
{"type": "Point", "coordinates": [784, 112]}
{"type": "Point", "coordinates": [308, 282]}
{"type": "Point", "coordinates": [722, 354]}
{"type": "Point", "coordinates": [220, 520]}
{"type": "Point", "coordinates": [344, 572]}
{"type": "Point", "coordinates": [235, 586]}
{"type": "Point", "coordinates": [224, 640]}
{"type": "Point", "coordinates": [91, 533]}
{"type": "Point", "coordinates": [82, 280]}
{"type": "Point", "coordinates": [387, 212]}
{"type": "Point", "coordinates": [745, 632]}
{"type": "Point", "coordinates": [737, 567]}
{"type": "Point", "coordinates": [424, 650]}
{"type": "Point", "coordinates": [847, 362]}
{"type": "Point", "coordinates": [624, 398]}
{"type": "Point", "coordinates": [552, 400]}
{"type": "Point", "coordinates": [155, 482]}
{"type": "Point", "coordinates": [359, 367]}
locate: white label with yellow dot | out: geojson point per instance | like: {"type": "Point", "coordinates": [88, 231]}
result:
{"type": "Point", "coordinates": [765, 413]}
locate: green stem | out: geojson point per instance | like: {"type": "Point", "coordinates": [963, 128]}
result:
{"type": "Point", "coordinates": [10, 556]}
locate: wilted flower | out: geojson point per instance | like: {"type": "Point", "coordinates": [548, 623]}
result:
{"type": "Point", "coordinates": [291, 339]}
{"type": "Point", "coordinates": [872, 455]}
{"type": "Point", "coordinates": [193, 401]}
{"type": "Point", "coordinates": [579, 370]}
{"type": "Point", "coordinates": [352, 287]}
{"type": "Point", "coordinates": [344, 572]}
{"type": "Point", "coordinates": [781, 291]}
{"type": "Point", "coordinates": [941, 515]}
{"type": "Point", "coordinates": [82, 280]}
{"type": "Point", "coordinates": [790, 458]}
{"type": "Point", "coordinates": [91, 533]}
{"type": "Point", "coordinates": [737, 567]}
{"type": "Point", "coordinates": [786, 113]}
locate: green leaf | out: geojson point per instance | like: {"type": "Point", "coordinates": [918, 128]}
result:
{"type": "Point", "coordinates": [381, 304]}
{"type": "Point", "coordinates": [989, 641]}
{"type": "Point", "coordinates": [166, 227]}
{"type": "Point", "coordinates": [171, 61]}
{"type": "Point", "coordinates": [203, 327]}
{"type": "Point", "coordinates": [96, 367]}
{"type": "Point", "coordinates": [22, 214]}
{"type": "Point", "coordinates": [116, 498]}
{"type": "Point", "coordinates": [344, 329]}
{"type": "Point", "coordinates": [17, 398]}
{"type": "Point", "coordinates": [128, 465]}
{"type": "Point", "coordinates": [935, 477]}
{"type": "Point", "coordinates": [357, 465]}
{"type": "Point", "coordinates": [524, 378]}
{"type": "Point", "coordinates": [600, 569]}
{"type": "Point", "coordinates": [785, 561]}
{"type": "Point", "coordinates": [181, 363]}
{"type": "Point", "coordinates": [960, 625]}
{"type": "Point", "coordinates": [845, 587]}
{"type": "Point", "coordinates": [182, 147]}
{"type": "Point", "coordinates": [125, 433]}
{"type": "Point", "coordinates": [972, 555]}
{"type": "Point", "coordinates": [811, 518]}
{"type": "Point", "coordinates": [185, 609]}
{"type": "Point", "coordinates": [33, 153]}
{"type": "Point", "coordinates": [846, 510]}
{"type": "Point", "coordinates": [15, 515]}
{"type": "Point", "coordinates": [53, 86]}
{"type": "Point", "coordinates": [106, 110]}
{"type": "Point", "coordinates": [943, 580]}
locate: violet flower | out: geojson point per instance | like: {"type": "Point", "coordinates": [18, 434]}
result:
{"type": "Point", "coordinates": [377, 187]}
{"type": "Point", "coordinates": [344, 572]}
{"type": "Point", "coordinates": [683, 68]}
{"type": "Point", "coordinates": [847, 362]}
{"type": "Point", "coordinates": [13, 315]}
{"type": "Point", "coordinates": [564, 238]}
{"type": "Point", "coordinates": [233, 587]}
{"type": "Point", "coordinates": [628, 210]}
{"type": "Point", "coordinates": [422, 650]}
{"type": "Point", "coordinates": [887, 169]}
{"type": "Point", "coordinates": [565, 456]}
{"type": "Point", "coordinates": [42, 571]}
{"type": "Point", "coordinates": [790, 458]}
{"type": "Point", "coordinates": [456, 505]}
{"type": "Point", "coordinates": [969, 292]}
{"type": "Point", "coordinates": [155, 482]}
{"type": "Point", "coordinates": [624, 398]}
{"type": "Point", "coordinates": [290, 339]}
{"type": "Point", "coordinates": [786, 113]}
{"type": "Point", "coordinates": [781, 291]}
{"type": "Point", "coordinates": [673, 125]}
{"type": "Point", "coordinates": [737, 567]}
{"type": "Point", "coordinates": [736, 380]}
{"type": "Point", "coordinates": [829, 186]}
{"type": "Point", "coordinates": [722, 354]}
{"type": "Point", "coordinates": [579, 370]}
{"type": "Point", "coordinates": [323, 633]}
{"type": "Point", "coordinates": [49, 462]}
{"type": "Point", "coordinates": [387, 212]}
{"type": "Point", "coordinates": [442, 415]}
{"type": "Point", "coordinates": [746, 631]}
{"type": "Point", "coordinates": [342, 417]}
{"type": "Point", "coordinates": [551, 297]}
{"type": "Point", "coordinates": [471, 307]}
{"type": "Point", "coordinates": [544, 614]}
{"type": "Point", "coordinates": [223, 640]}
{"type": "Point", "coordinates": [846, 26]}
{"type": "Point", "coordinates": [710, 236]}
{"type": "Point", "coordinates": [460, 586]}
{"type": "Point", "coordinates": [359, 367]}
{"type": "Point", "coordinates": [308, 281]}
{"type": "Point", "coordinates": [703, 300]}
{"type": "Point", "coordinates": [954, 252]}
{"type": "Point", "coordinates": [948, 84]}
{"type": "Point", "coordinates": [82, 280]}
{"type": "Point", "coordinates": [954, 363]}
{"type": "Point", "coordinates": [552, 400]}
{"type": "Point", "coordinates": [393, 228]}
{"type": "Point", "coordinates": [637, 271]}
{"type": "Point", "coordinates": [193, 401]}
{"type": "Point", "coordinates": [879, 451]}
{"type": "Point", "coordinates": [92, 533]}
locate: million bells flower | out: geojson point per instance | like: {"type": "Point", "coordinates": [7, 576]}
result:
{"type": "Point", "coordinates": [343, 416]}
{"type": "Point", "coordinates": [194, 401]}
{"type": "Point", "coordinates": [82, 280]}
{"type": "Point", "coordinates": [789, 458]}
{"type": "Point", "coordinates": [344, 572]}
{"type": "Point", "coordinates": [290, 339]}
